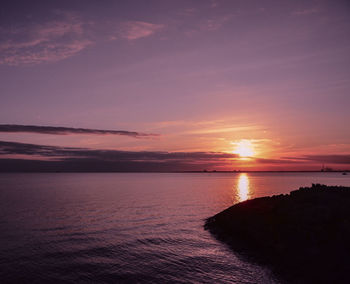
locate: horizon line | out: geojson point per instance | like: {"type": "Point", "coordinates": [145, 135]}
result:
{"type": "Point", "coordinates": [204, 172]}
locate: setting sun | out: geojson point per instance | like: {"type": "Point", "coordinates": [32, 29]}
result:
{"type": "Point", "coordinates": [244, 149]}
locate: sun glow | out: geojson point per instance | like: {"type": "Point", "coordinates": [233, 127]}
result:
{"type": "Point", "coordinates": [244, 149]}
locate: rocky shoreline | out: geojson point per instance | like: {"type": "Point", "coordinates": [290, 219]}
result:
{"type": "Point", "coordinates": [303, 236]}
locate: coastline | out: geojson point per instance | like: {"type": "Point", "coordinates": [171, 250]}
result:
{"type": "Point", "coordinates": [303, 236]}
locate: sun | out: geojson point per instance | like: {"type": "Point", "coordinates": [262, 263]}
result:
{"type": "Point", "coordinates": [244, 148]}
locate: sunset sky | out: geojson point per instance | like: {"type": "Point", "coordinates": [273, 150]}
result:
{"type": "Point", "coordinates": [174, 85]}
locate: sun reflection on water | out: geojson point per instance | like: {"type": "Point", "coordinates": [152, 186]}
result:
{"type": "Point", "coordinates": [243, 187]}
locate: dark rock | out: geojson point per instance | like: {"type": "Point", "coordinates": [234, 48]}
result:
{"type": "Point", "coordinates": [303, 236]}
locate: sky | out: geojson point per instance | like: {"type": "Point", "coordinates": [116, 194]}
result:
{"type": "Point", "coordinates": [174, 85]}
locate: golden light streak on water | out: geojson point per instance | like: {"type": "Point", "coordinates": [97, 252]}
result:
{"type": "Point", "coordinates": [243, 187]}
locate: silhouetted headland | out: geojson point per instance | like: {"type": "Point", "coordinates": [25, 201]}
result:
{"type": "Point", "coordinates": [303, 236]}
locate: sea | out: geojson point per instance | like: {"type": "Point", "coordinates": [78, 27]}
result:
{"type": "Point", "coordinates": [130, 227]}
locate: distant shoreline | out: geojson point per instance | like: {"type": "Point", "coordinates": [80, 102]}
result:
{"type": "Point", "coordinates": [178, 172]}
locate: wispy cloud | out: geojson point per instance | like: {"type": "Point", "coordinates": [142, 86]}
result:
{"type": "Point", "coordinates": [65, 35]}
{"type": "Point", "coordinates": [224, 129]}
{"type": "Point", "coordinates": [46, 42]}
{"type": "Point", "coordinates": [330, 159]}
{"type": "Point", "coordinates": [133, 30]}
{"type": "Point", "coordinates": [42, 158]}
{"type": "Point", "coordinates": [210, 24]}
{"type": "Point", "coordinates": [109, 155]}
{"type": "Point", "coordinates": [214, 3]}
{"type": "Point", "coordinates": [305, 12]}
{"type": "Point", "coordinates": [51, 158]}
{"type": "Point", "coordinates": [214, 23]}
{"type": "Point", "coordinates": [55, 130]}
{"type": "Point", "coordinates": [277, 161]}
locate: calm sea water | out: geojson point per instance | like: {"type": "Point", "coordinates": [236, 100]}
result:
{"type": "Point", "coordinates": [129, 228]}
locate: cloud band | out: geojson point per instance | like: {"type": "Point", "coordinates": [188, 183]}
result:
{"type": "Point", "coordinates": [54, 130]}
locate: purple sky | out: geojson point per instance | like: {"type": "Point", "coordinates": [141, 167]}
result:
{"type": "Point", "coordinates": [202, 74]}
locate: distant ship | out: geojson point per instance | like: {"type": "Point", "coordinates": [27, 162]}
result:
{"type": "Point", "coordinates": [326, 169]}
